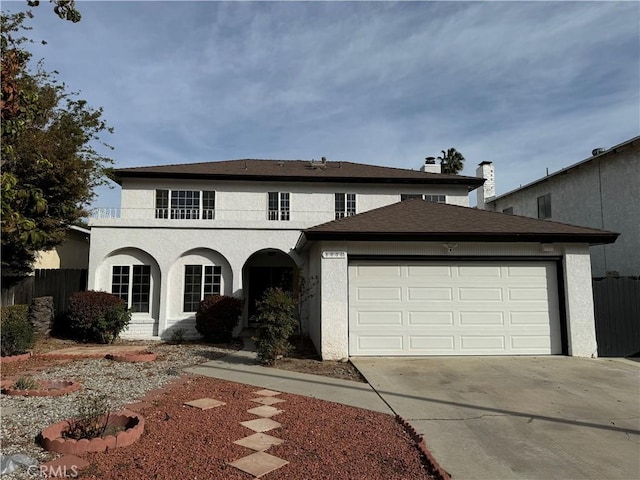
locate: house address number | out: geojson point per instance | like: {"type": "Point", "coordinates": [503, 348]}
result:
{"type": "Point", "coordinates": [330, 254]}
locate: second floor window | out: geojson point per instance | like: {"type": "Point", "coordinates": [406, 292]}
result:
{"type": "Point", "coordinates": [185, 204]}
{"type": "Point", "coordinates": [345, 205]}
{"type": "Point", "coordinates": [544, 206]}
{"type": "Point", "coordinates": [200, 281]}
{"type": "Point", "coordinates": [134, 288]}
{"type": "Point", "coordinates": [427, 197]}
{"type": "Point", "coordinates": [279, 206]}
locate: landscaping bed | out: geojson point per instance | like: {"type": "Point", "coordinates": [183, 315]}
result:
{"type": "Point", "coordinates": [322, 440]}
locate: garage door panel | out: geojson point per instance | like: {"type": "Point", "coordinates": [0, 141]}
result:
{"type": "Point", "coordinates": [482, 343]}
{"type": "Point", "coordinates": [429, 293]}
{"type": "Point", "coordinates": [424, 344]}
{"type": "Point", "coordinates": [376, 271]}
{"type": "Point", "coordinates": [380, 343]}
{"type": "Point", "coordinates": [468, 308]}
{"type": "Point", "coordinates": [429, 318]}
{"type": "Point", "coordinates": [527, 294]}
{"type": "Point", "coordinates": [529, 271]}
{"type": "Point", "coordinates": [479, 294]}
{"type": "Point", "coordinates": [379, 318]}
{"type": "Point", "coordinates": [475, 271]}
{"type": "Point", "coordinates": [529, 342]}
{"type": "Point", "coordinates": [529, 318]}
{"type": "Point", "coordinates": [433, 271]}
{"type": "Point", "coordinates": [481, 318]}
{"type": "Point", "coordinates": [379, 294]}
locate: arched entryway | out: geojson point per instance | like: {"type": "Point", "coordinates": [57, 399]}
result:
{"type": "Point", "coordinates": [265, 269]}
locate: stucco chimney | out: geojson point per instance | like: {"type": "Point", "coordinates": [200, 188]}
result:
{"type": "Point", "coordinates": [488, 190]}
{"type": "Point", "coordinates": [430, 166]}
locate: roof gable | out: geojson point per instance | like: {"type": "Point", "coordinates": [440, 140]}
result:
{"type": "Point", "coordinates": [421, 220]}
{"type": "Point", "coordinates": [296, 170]}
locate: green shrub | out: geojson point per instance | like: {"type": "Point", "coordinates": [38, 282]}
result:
{"type": "Point", "coordinates": [92, 420]}
{"type": "Point", "coordinates": [217, 316]}
{"type": "Point", "coordinates": [97, 316]}
{"type": "Point", "coordinates": [17, 334]}
{"type": "Point", "coordinates": [276, 323]}
{"type": "Point", "coordinates": [26, 382]}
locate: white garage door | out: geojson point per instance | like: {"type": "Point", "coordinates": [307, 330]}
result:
{"type": "Point", "coordinates": [465, 308]}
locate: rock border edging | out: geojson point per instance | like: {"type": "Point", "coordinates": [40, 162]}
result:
{"type": "Point", "coordinates": [436, 470]}
{"type": "Point", "coordinates": [47, 389]}
{"type": "Point", "coordinates": [52, 441]}
{"type": "Point", "coordinates": [133, 357]}
{"type": "Point", "coordinates": [15, 358]}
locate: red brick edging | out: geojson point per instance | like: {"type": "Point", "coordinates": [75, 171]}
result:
{"type": "Point", "coordinates": [15, 358]}
{"type": "Point", "coordinates": [52, 440]}
{"type": "Point", "coordinates": [47, 388]}
{"type": "Point", "coordinates": [435, 469]}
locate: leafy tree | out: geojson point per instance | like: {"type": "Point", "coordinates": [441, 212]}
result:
{"type": "Point", "coordinates": [65, 9]}
{"type": "Point", "coordinates": [452, 161]}
{"type": "Point", "coordinates": [49, 162]}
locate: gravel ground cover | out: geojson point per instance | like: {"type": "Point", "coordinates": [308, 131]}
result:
{"type": "Point", "coordinates": [322, 439]}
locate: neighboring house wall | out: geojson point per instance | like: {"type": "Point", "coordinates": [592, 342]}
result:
{"type": "Point", "coordinates": [333, 321]}
{"type": "Point", "coordinates": [602, 192]}
{"type": "Point", "coordinates": [72, 253]}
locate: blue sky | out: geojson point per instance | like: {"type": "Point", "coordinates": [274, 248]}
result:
{"type": "Point", "coordinates": [527, 85]}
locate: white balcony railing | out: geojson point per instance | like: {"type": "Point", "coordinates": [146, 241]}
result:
{"type": "Point", "coordinates": [209, 215]}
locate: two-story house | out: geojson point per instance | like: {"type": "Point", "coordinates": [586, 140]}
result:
{"type": "Point", "coordinates": [399, 263]}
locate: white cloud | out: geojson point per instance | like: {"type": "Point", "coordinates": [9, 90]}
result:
{"type": "Point", "coordinates": [528, 85]}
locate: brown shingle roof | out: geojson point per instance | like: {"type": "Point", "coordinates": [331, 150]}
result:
{"type": "Point", "coordinates": [422, 220]}
{"type": "Point", "coordinates": [295, 170]}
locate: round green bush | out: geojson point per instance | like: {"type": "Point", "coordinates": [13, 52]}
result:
{"type": "Point", "coordinates": [17, 335]}
{"type": "Point", "coordinates": [97, 316]}
{"type": "Point", "coordinates": [277, 323]}
{"type": "Point", "coordinates": [217, 316]}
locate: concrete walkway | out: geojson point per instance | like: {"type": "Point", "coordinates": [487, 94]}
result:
{"type": "Point", "coordinates": [242, 367]}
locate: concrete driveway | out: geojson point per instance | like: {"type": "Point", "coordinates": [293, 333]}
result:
{"type": "Point", "coordinates": [518, 417]}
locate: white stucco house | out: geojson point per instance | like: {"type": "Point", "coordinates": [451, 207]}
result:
{"type": "Point", "coordinates": [401, 264]}
{"type": "Point", "coordinates": [601, 191]}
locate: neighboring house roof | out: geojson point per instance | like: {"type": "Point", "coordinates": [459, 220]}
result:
{"type": "Point", "coordinates": [566, 170]}
{"type": "Point", "coordinates": [295, 170]}
{"type": "Point", "coordinates": [426, 221]}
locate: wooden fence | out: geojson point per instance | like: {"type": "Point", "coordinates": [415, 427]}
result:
{"type": "Point", "coordinates": [56, 283]}
{"type": "Point", "coordinates": [617, 312]}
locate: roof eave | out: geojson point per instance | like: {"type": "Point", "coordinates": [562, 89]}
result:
{"type": "Point", "coordinates": [590, 238]}
{"type": "Point", "coordinates": [471, 182]}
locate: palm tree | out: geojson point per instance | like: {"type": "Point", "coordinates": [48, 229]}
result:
{"type": "Point", "coordinates": [452, 161]}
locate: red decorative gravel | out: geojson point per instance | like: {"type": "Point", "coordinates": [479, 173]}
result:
{"type": "Point", "coordinates": [322, 440]}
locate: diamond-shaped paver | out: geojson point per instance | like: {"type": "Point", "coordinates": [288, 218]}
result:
{"type": "Point", "coordinates": [261, 424]}
{"type": "Point", "coordinates": [267, 400]}
{"type": "Point", "coordinates": [267, 393]}
{"type": "Point", "coordinates": [259, 464]}
{"type": "Point", "coordinates": [259, 441]}
{"type": "Point", "coordinates": [205, 403]}
{"type": "Point", "coordinates": [265, 411]}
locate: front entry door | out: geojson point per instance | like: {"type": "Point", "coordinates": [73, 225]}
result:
{"type": "Point", "coordinates": [263, 278]}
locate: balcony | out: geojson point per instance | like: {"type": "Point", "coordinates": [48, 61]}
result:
{"type": "Point", "coordinates": [207, 218]}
